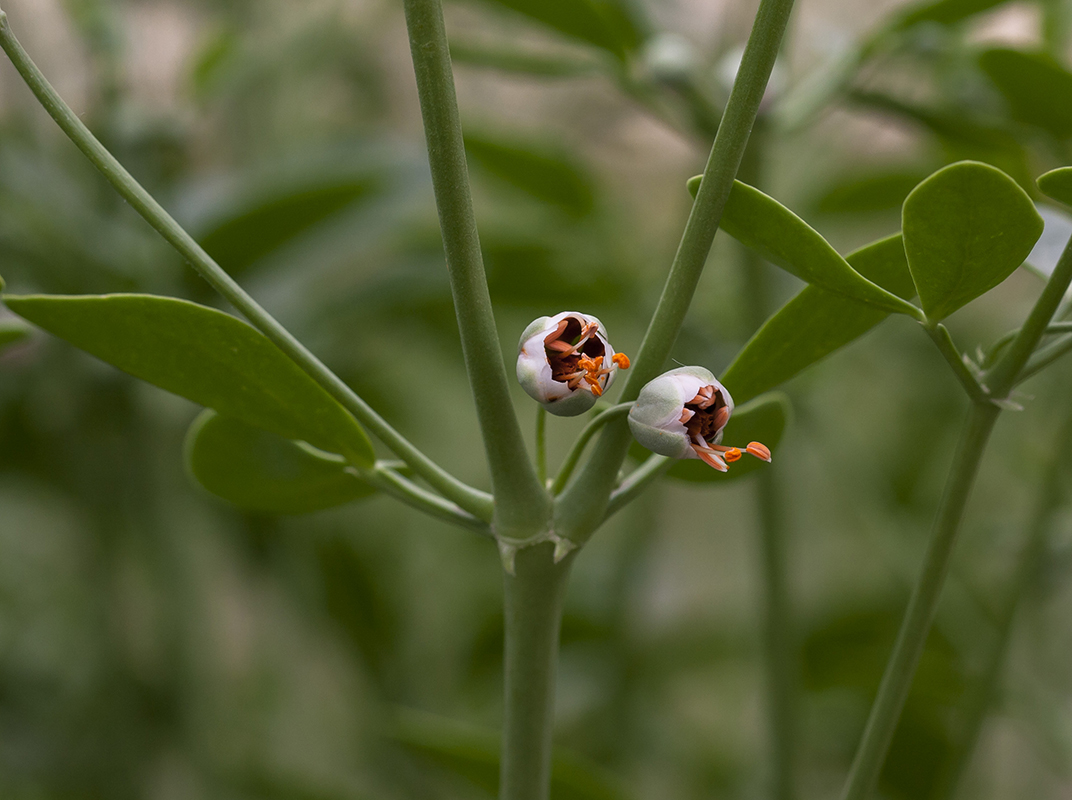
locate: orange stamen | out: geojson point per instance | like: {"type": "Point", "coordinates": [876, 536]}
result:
{"type": "Point", "coordinates": [759, 450]}
{"type": "Point", "coordinates": [733, 454]}
{"type": "Point", "coordinates": [621, 359]}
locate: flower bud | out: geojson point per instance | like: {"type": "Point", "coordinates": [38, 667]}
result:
{"type": "Point", "coordinates": [682, 413]}
{"type": "Point", "coordinates": [565, 362]}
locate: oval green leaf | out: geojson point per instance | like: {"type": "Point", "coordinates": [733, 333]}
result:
{"type": "Point", "coordinates": [259, 471]}
{"type": "Point", "coordinates": [966, 229]}
{"type": "Point", "coordinates": [205, 356]}
{"type": "Point", "coordinates": [1057, 183]}
{"type": "Point", "coordinates": [762, 223]}
{"type": "Point", "coordinates": [816, 323]}
{"type": "Point", "coordinates": [761, 420]}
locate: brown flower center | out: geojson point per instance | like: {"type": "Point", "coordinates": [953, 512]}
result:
{"type": "Point", "coordinates": [707, 414]}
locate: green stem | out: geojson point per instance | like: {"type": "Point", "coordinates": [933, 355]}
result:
{"type": "Point", "coordinates": [1045, 356]}
{"type": "Point", "coordinates": [533, 614]}
{"type": "Point", "coordinates": [390, 482]}
{"type": "Point", "coordinates": [921, 608]}
{"type": "Point", "coordinates": [541, 445]}
{"type": "Point", "coordinates": [944, 342]}
{"type": "Point", "coordinates": [522, 505]}
{"type": "Point", "coordinates": [637, 481]}
{"type": "Point", "coordinates": [477, 503]}
{"type": "Point", "coordinates": [902, 665]}
{"type": "Point", "coordinates": [582, 506]}
{"type": "Point", "coordinates": [1004, 374]}
{"type": "Point", "coordinates": [590, 430]}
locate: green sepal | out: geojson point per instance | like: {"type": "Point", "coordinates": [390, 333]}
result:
{"type": "Point", "coordinates": [259, 471]}
{"type": "Point", "coordinates": [816, 323]}
{"type": "Point", "coordinates": [966, 229]}
{"type": "Point", "coordinates": [781, 237]}
{"type": "Point", "coordinates": [205, 356]}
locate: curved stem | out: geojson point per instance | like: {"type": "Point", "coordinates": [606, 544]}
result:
{"type": "Point", "coordinates": [590, 430]}
{"type": "Point", "coordinates": [901, 668]}
{"type": "Point", "coordinates": [522, 505]}
{"type": "Point", "coordinates": [944, 342]}
{"type": "Point", "coordinates": [533, 615]}
{"type": "Point", "coordinates": [476, 502]}
{"type": "Point", "coordinates": [1004, 374]}
{"type": "Point", "coordinates": [581, 507]}
{"type": "Point", "coordinates": [637, 481]}
{"type": "Point", "coordinates": [390, 482]}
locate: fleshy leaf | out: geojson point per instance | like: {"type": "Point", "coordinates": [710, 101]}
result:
{"type": "Point", "coordinates": [205, 356]}
{"type": "Point", "coordinates": [1037, 89]}
{"type": "Point", "coordinates": [1057, 183]}
{"type": "Point", "coordinates": [12, 331]}
{"type": "Point", "coordinates": [260, 471]}
{"type": "Point", "coordinates": [781, 237]}
{"type": "Point", "coordinates": [761, 420]}
{"type": "Point", "coordinates": [966, 229]}
{"type": "Point", "coordinates": [816, 323]}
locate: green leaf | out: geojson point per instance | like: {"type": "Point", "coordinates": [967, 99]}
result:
{"type": "Point", "coordinates": [260, 471]}
{"type": "Point", "coordinates": [205, 356]}
{"type": "Point", "coordinates": [603, 23]}
{"type": "Point", "coordinates": [816, 323]}
{"type": "Point", "coordinates": [966, 229]}
{"type": "Point", "coordinates": [1057, 183]}
{"type": "Point", "coordinates": [11, 331]}
{"type": "Point", "coordinates": [474, 754]}
{"type": "Point", "coordinates": [761, 420]}
{"type": "Point", "coordinates": [781, 237]}
{"type": "Point", "coordinates": [1037, 89]}
{"type": "Point", "coordinates": [550, 177]}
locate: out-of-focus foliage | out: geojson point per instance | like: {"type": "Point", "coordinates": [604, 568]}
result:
{"type": "Point", "coordinates": [158, 643]}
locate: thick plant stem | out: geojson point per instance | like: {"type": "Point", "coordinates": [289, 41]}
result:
{"type": "Point", "coordinates": [541, 445]}
{"type": "Point", "coordinates": [522, 504]}
{"type": "Point", "coordinates": [475, 502]}
{"type": "Point", "coordinates": [533, 616]}
{"type": "Point", "coordinates": [580, 508]}
{"type": "Point", "coordinates": [893, 691]}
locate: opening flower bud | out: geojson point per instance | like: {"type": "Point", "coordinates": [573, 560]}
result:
{"type": "Point", "coordinates": [565, 362]}
{"type": "Point", "coordinates": [682, 414]}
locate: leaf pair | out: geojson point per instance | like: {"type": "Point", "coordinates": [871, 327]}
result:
{"type": "Point", "coordinates": [965, 229]}
{"type": "Point", "coordinates": [266, 404]}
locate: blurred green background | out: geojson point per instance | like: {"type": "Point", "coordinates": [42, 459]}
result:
{"type": "Point", "coordinates": [157, 643]}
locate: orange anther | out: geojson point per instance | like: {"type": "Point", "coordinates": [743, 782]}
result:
{"type": "Point", "coordinates": [759, 450]}
{"type": "Point", "coordinates": [596, 390]}
{"type": "Point", "coordinates": [621, 359]}
{"type": "Point", "coordinates": [731, 455]}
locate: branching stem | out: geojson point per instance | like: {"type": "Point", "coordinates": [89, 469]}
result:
{"type": "Point", "coordinates": [475, 502]}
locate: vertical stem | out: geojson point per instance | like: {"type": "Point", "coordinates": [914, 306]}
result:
{"type": "Point", "coordinates": [580, 508]}
{"type": "Point", "coordinates": [522, 505]}
{"type": "Point", "coordinates": [533, 616]}
{"type": "Point", "coordinates": [779, 649]}
{"type": "Point", "coordinates": [918, 617]}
